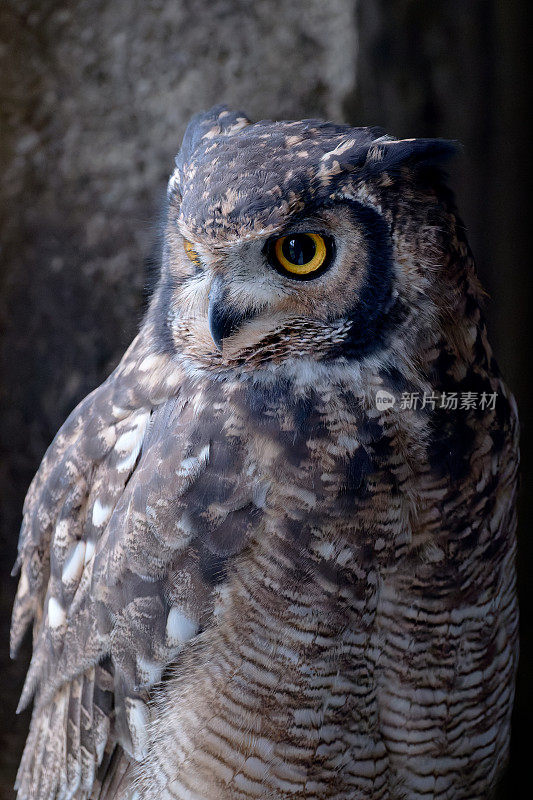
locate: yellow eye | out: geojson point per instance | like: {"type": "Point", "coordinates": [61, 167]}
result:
{"type": "Point", "coordinates": [192, 255]}
{"type": "Point", "coordinates": [301, 254]}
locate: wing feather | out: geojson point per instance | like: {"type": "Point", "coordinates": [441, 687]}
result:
{"type": "Point", "coordinates": [126, 527]}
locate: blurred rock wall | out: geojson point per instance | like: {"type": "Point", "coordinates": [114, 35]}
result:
{"type": "Point", "coordinates": [95, 96]}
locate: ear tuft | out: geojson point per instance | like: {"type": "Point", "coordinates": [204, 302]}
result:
{"type": "Point", "coordinates": [218, 121]}
{"type": "Point", "coordinates": [366, 154]}
{"type": "Point", "coordinates": [387, 153]}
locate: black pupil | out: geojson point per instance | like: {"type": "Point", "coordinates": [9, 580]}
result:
{"type": "Point", "coordinates": [298, 249]}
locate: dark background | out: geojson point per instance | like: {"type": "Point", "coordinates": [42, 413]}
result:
{"type": "Point", "coordinates": [95, 96]}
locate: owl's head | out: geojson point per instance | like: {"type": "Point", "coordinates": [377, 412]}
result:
{"type": "Point", "coordinates": [301, 242]}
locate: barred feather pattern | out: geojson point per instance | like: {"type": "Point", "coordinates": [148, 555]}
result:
{"type": "Point", "coordinates": [246, 579]}
{"type": "Point", "coordinates": [366, 646]}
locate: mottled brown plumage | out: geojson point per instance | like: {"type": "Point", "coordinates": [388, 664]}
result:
{"type": "Point", "coordinates": [246, 578]}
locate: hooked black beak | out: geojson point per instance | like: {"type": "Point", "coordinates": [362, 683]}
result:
{"type": "Point", "coordinates": [223, 320]}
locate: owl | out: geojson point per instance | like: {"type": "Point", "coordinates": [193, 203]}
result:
{"type": "Point", "coordinates": [273, 554]}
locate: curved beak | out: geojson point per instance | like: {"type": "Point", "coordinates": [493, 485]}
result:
{"type": "Point", "coordinates": [223, 320]}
